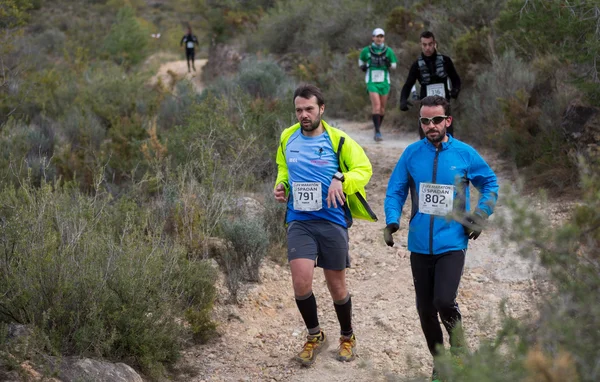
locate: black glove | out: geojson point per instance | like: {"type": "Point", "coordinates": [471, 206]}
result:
{"type": "Point", "coordinates": [404, 105]}
{"type": "Point", "coordinates": [363, 68]}
{"type": "Point", "coordinates": [387, 62]}
{"type": "Point", "coordinates": [473, 225]}
{"type": "Point", "coordinates": [387, 233]}
{"type": "Point", "coordinates": [454, 93]}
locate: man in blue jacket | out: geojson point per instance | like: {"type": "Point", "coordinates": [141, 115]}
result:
{"type": "Point", "coordinates": [437, 171]}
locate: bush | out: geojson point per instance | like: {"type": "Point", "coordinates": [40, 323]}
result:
{"type": "Point", "coordinates": [507, 76]}
{"type": "Point", "coordinates": [93, 287]}
{"type": "Point", "coordinates": [127, 40]}
{"type": "Point", "coordinates": [560, 342]}
{"type": "Point", "coordinates": [294, 26]}
{"type": "Point", "coordinates": [248, 243]}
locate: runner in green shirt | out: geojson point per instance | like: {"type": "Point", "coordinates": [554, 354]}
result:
{"type": "Point", "coordinates": [376, 60]}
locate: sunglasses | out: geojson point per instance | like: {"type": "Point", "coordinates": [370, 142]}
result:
{"type": "Point", "coordinates": [380, 35]}
{"type": "Point", "coordinates": [436, 120]}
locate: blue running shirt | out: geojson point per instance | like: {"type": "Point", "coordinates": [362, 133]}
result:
{"type": "Point", "coordinates": [312, 159]}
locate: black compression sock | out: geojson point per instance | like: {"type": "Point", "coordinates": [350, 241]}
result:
{"type": "Point", "coordinates": [343, 309]}
{"type": "Point", "coordinates": [307, 305]}
{"type": "Point", "coordinates": [381, 119]}
{"type": "Point", "coordinates": [376, 122]}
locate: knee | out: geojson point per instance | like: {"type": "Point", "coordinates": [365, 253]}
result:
{"type": "Point", "coordinates": [302, 287]}
{"type": "Point", "coordinates": [443, 304]}
{"type": "Point", "coordinates": [382, 110]}
{"type": "Point", "coordinates": [339, 292]}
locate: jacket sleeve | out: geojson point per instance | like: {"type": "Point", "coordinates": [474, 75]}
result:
{"type": "Point", "coordinates": [282, 170]}
{"type": "Point", "coordinates": [358, 167]}
{"type": "Point", "coordinates": [413, 75]}
{"type": "Point", "coordinates": [182, 40]}
{"type": "Point", "coordinates": [397, 191]}
{"type": "Point", "coordinates": [483, 178]}
{"type": "Point", "coordinates": [452, 73]}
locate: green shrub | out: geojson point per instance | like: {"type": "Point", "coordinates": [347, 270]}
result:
{"type": "Point", "coordinates": [507, 76]}
{"type": "Point", "coordinates": [262, 79]}
{"type": "Point", "coordinates": [95, 288]}
{"type": "Point", "coordinates": [176, 107]}
{"type": "Point", "coordinates": [294, 26]}
{"type": "Point", "coordinates": [127, 40]}
{"type": "Point", "coordinates": [559, 342]}
{"type": "Point", "coordinates": [248, 244]}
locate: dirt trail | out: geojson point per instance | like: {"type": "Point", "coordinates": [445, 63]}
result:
{"type": "Point", "coordinates": [170, 71]}
{"type": "Point", "coordinates": [260, 336]}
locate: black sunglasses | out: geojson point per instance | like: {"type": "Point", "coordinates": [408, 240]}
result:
{"type": "Point", "coordinates": [436, 120]}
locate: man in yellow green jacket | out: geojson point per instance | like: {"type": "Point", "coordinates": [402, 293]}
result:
{"type": "Point", "coordinates": [321, 176]}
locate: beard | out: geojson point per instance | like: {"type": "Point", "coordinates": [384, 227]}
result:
{"type": "Point", "coordinates": [313, 126]}
{"type": "Point", "coordinates": [440, 137]}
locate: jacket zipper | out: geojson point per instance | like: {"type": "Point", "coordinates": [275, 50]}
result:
{"type": "Point", "coordinates": [431, 218]}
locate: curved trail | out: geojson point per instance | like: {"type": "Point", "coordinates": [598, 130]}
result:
{"type": "Point", "coordinates": [261, 335]}
{"type": "Point", "coordinates": [168, 72]}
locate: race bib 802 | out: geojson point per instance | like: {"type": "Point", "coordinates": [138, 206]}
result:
{"type": "Point", "coordinates": [436, 199]}
{"type": "Point", "coordinates": [307, 196]}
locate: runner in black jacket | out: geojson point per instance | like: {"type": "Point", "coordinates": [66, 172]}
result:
{"type": "Point", "coordinates": [190, 41]}
{"type": "Point", "coordinates": [436, 74]}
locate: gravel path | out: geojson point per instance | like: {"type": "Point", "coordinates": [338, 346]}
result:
{"type": "Point", "coordinates": [260, 336]}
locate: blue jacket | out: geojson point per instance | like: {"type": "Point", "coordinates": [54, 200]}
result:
{"type": "Point", "coordinates": [455, 163]}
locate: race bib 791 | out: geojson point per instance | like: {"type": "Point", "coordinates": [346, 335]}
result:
{"type": "Point", "coordinates": [307, 196]}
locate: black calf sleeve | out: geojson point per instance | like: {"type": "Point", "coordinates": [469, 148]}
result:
{"type": "Point", "coordinates": [343, 309]}
{"type": "Point", "coordinates": [307, 305]}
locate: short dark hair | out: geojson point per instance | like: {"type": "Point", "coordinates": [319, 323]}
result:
{"type": "Point", "coordinates": [427, 34]}
{"type": "Point", "coordinates": [307, 91]}
{"type": "Point", "coordinates": [436, 101]}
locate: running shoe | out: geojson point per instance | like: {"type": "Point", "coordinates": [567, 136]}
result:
{"type": "Point", "coordinates": [346, 351]}
{"type": "Point", "coordinates": [378, 137]}
{"type": "Point", "coordinates": [314, 345]}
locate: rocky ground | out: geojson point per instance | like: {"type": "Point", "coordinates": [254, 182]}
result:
{"type": "Point", "coordinates": [259, 337]}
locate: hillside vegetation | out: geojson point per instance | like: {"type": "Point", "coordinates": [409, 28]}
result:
{"type": "Point", "coordinates": [112, 189]}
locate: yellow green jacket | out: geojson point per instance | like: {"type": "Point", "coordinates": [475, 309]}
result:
{"type": "Point", "coordinates": [353, 162]}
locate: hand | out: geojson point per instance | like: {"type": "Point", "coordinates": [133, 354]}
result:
{"type": "Point", "coordinates": [387, 62]}
{"type": "Point", "coordinates": [335, 194]}
{"type": "Point", "coordinates": [279, 193]}
{"type": "Point", "coordinates": [404, 105]}
{"type": "Point", "coordinates": [387, 233]}
{"type": "Point", "coordinates": [454, 93]}
{"type": "Point", "coordinates": [363, 68]}
{"type": "Point", "coordinates": [473, 225]}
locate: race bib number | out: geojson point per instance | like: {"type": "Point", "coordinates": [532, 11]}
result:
{"type": "Point", "coordinates": [190, 44]}
{"type": "Point", "coordinates": [307, 196]}
{"type": "Point", "coordinates": [436, 90]}
{"type": "Point", "coordinates": [377, 75]}
{"type": "Point", "coordinates": [436, 199]}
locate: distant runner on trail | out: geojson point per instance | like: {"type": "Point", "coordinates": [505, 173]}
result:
{"type": "Point", "coordinates": [190, 41]}
{"type": "Point", "coordinates": [321, 176]}
{"type": "Point", "coordinates": [376, 60]}
{"type": "Point", "coordinates": [436, 75]}
{"type": "Point", "coordinates": [436, 172]}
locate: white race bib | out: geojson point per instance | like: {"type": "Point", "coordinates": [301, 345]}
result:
{"type": "Point", "coordinates": [307, 196]}
{"type": "Point", "coordinates": [436, 199]}
{"type": "Point", "coordinates": [377, 75]}
{"type": "Point", "coordinates": [190, 44]}
{"type": "Point", "coordinates": [436, 89]}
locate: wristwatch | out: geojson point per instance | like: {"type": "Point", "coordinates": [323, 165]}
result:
{"type": "Point", "coordinates": [339, 176]}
